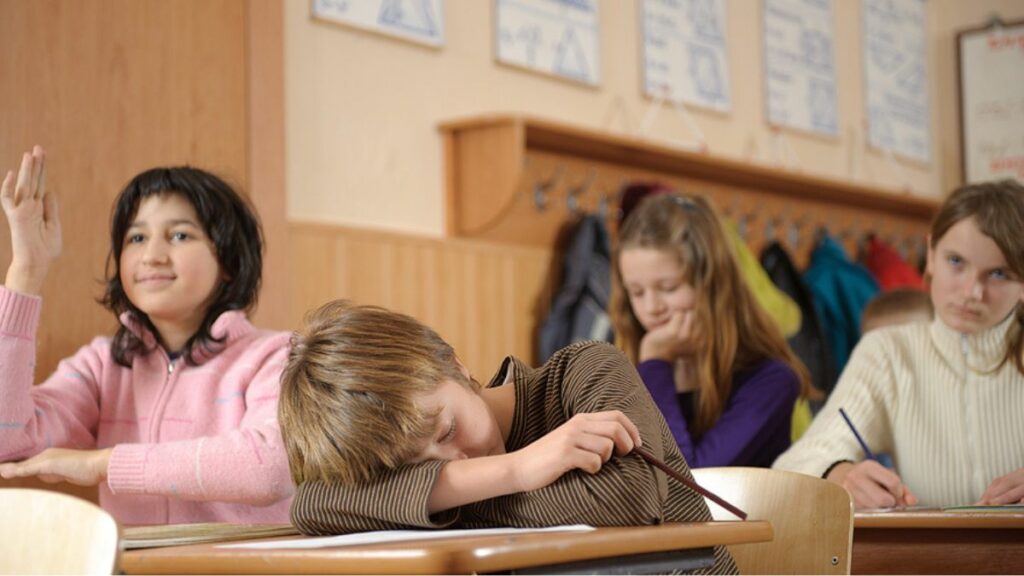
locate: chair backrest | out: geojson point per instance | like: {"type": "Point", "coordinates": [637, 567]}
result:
{"type": "Point", "coordinates": [47, 532]}
{"type": "Point", "coordinates": [812, 519]}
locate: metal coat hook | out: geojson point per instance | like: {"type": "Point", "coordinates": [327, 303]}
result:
{"type": "Point", "coordinates": [542, 187]}
{"type": "Point", "coordinates": [572, 196]}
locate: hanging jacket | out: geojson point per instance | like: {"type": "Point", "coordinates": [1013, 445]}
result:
{"type": "Point", "coordinates": [841, 289]}
{"type": "Point", "coordinates": [889, 268]}
{"type": "Point", "coordinates": [776, 303]}
{"type": "Point", "coordinates": [580, 309]}
{"type": "Point", "coordinates": [809, 343]}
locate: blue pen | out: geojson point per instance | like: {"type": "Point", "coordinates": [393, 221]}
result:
{"type": "Point", "coordinates": [867, 451]}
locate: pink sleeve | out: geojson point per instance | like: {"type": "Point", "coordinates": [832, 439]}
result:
{"type": "Point", "coordinates": [247, 465]}
{"type": "Point", "coordinates": [63, 410]}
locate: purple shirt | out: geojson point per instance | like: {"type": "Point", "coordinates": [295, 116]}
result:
{"type": "Point", "coordinates": [754, 427]}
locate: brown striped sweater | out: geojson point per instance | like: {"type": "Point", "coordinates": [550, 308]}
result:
{"type": "Point", "coordinates": [582, 378]}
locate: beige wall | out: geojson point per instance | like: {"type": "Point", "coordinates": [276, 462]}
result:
{"type": "Point", "coordinates": [362, 109]}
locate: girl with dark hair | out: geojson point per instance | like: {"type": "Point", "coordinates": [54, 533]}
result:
{"type": "Point", "coordinates": [945, 398]}
{"type": "Point", "coordinates": [174, 418]}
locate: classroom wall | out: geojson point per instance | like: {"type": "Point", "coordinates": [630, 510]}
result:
{"type": "Point", "coordinates": [362, 109]}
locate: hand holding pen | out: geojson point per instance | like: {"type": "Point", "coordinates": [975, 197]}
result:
{"type": "Point", "coordinates": [871, 484]}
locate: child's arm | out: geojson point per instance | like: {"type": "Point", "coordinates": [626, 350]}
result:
{"type": "Point", "coordinates": [63, 410]}
{"type": "Point", "coordinates": [429, 495]}
{"type": "Point", "coordinates": [595, 377]}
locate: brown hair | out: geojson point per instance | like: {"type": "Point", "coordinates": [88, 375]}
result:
{"type": "Point", "coordinates": [998, 210]}
{"type": "Point", "coordinates": [348, 392]}
{"type": "Point", "coordinates": [895, 303]}
{"type": "Point", "coordinates": [740, 333]}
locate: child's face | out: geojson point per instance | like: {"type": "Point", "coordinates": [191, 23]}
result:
{"type": "Point", "coordinates": [169, 268]}
{"type": "Point", "coordinates": [972, 287]}
{"type": "Point", "coordinates": [466, 427]}
{"type": "Point", "coordinates": [656, 285]}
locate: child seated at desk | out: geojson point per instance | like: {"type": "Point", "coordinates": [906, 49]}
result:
{"type": "Point", "coordinates": [386, 429]}
{"type": "Point", "coordinates": [945, 397]}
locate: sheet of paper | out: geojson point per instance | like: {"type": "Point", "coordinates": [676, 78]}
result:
{"type": "Point", "coordinates": [384, 536]}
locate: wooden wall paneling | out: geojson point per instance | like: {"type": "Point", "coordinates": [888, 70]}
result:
{"type": "Point", "coordinates": [266, 151]}
{"type": "Point", "coordinates": [483, 298]}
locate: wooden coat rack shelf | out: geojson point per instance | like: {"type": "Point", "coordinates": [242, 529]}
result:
{"type": "Point", "coordinates": [498, 167]}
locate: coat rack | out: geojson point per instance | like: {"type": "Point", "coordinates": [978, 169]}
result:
{"type": "Point", "coordinates": [518, 179]}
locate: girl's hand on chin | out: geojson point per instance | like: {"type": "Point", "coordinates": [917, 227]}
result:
{"type": "Point", "coordinates": [677, 338]}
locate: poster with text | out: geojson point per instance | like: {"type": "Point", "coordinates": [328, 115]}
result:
{"type": "Point", "coordinates": [800, 71]}
{"type": "Point", "coordinates": [556, 37]}
{"type": "Point", "coordinates": [896, 77]}
{"type": "Point", "coordinates": [685, 52]}
{"type": "Point", "coordinates": [420, 21]}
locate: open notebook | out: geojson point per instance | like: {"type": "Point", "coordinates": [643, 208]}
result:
{"type": "Point", "coordinates": [180, 534]}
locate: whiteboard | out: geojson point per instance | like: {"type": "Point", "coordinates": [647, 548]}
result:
{"type": "Point", "coordinates": [992, 102]}
{"type": "Point", "coordinates": [556, 37]}
{"type": "Point", "coordinates": [800, 72]}
{"type": "Point", "coordinates": [685, 53]}
{"type": "Point", "coordinates": [896, 77]}
{"type": "Point", "coordinates": [420, 21]}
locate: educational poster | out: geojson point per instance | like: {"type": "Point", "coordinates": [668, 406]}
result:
{"type": "Point", "coordinates": [557, 37]}
{"type": "Point", "coordinates": [685, 55]}
{"type": "Point", "coordinates": [992, 103]}
{"type": "Point", "coordinates": [420, 21]}
{"type": "Point", "coordinates": [896, 77]}
{"type": "Point", "coordinates": [800, 71]}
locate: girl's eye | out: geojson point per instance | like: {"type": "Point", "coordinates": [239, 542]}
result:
{"type": "Point", "coordinates": [670, 288]}
{"type": "Point", "coordinates": [180, 236]}
{"type": "Point", "coordinates": [134, 238]}
{"type": "Point", "coordinates": [999, 274]}
{"type": "Point", "coordinates": [954, 260]}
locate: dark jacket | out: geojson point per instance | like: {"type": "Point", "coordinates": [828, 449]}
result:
{"type": "Point", "coordinates": [579, 311]}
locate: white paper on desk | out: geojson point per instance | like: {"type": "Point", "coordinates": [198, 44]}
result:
{"type": "Point", "coordinates": [385, 536]}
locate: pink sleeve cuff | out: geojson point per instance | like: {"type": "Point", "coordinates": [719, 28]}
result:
{"type": "Point", "coordinates": [19, 313]}
{"type": "Point", "coordinates": [126, 471]}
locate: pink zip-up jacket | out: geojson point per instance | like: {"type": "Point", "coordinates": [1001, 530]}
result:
{"type": "Point", "coordinates": [191, 443]}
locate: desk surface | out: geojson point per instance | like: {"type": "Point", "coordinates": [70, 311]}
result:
{"type": "Point", "coordinates": [938, 519]}
{"type": "Point", "coordinates": [938, 542]}
{"type": "Point", "coordinates": [450, 556]}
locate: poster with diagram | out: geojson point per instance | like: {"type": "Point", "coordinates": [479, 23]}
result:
{"type": "Point", "coordinates": [420, 21]}
{"type": "Point", "coordinates": [896, 77]}
{"type": "Point", "coordinates": [557, 37]}
{"type": "Point", "coordinates": [685, 53]}
{"type": "Point", "coordinates": [800, 71]}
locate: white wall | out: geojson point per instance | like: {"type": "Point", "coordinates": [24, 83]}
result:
{"type": "Point", "coordinates": [362, 110]}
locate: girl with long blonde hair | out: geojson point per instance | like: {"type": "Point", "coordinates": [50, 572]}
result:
{"type": "Point", "coordinates": [716, 364]}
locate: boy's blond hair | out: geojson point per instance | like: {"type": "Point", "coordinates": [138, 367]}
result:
{"type": "Point", "coordinates": [348, 393]}
{"type": "Point", "coordinates": [895, 307]}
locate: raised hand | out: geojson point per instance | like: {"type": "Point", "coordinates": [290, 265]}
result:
{"type": "Point", "coordinates": [82, 467]}
{"type": "Point", "coordinates": [586, 442]}
{"type": "Point", "coordinates": [872, 485]}
{"type": "Point", "coordinates": [31, 212]}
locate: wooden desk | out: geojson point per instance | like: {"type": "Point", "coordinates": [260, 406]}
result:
{"type": "Point", "coordinates": [602, 549]}
{"type": "Point", "coordinates": [937, 542]}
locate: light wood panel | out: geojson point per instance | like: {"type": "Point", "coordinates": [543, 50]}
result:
{"type": "Point", "coordinates": [485, 299]}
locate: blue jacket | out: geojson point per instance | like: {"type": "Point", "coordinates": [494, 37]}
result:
{"type": "Point", "coordinates": [841, 289]}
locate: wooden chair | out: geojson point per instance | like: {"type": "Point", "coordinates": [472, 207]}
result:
{"type": "Point", "coordinates": [812, 519]}
{"type": "Point", "coordinates": [47, 532]}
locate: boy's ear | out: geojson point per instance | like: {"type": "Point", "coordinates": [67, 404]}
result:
{"type": "Point", "coordinates": [462, 368]}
